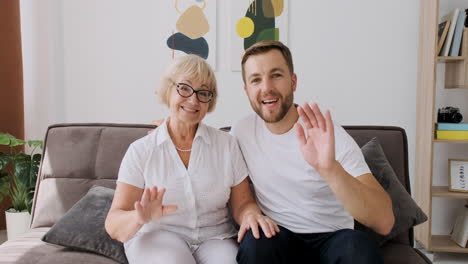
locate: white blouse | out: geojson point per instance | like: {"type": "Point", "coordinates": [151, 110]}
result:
{"type": "Point", "coordinates": [200, 191]}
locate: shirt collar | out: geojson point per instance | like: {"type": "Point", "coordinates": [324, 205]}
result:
{"type": "Point", "coordinates": [163, 133]}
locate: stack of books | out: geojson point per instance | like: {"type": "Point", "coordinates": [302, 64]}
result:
{"type": "Point", "coordinates": [452, 131]}
{"type": "Point", "coordinates": [450, 33]}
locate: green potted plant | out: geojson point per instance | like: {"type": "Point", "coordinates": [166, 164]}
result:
{"type": "Point", "coordinates": [18, 174]}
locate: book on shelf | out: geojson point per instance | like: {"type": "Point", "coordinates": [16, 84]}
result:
{"type": "Point", "coordinates": [458, 33]}
{"type": "Point", "coordinates": [453, 17]}
{"type": "Point", "coordinates": [453, 126]}
{"type": "Point", "coordinates": [452, 134]}
{"type": "Point", "coordinates": [442, 34]}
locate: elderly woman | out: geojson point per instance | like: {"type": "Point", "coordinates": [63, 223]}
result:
{"type": "Point", "coordinates": [174, 185]}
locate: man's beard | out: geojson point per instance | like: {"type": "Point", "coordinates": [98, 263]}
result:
{"type": "Point", "coordinates": [284, 108]}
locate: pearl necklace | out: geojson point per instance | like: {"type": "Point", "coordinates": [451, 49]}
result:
{"type": "Point", "coordinates": [183, 150]}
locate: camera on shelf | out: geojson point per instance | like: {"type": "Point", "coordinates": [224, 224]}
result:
{"type": "Point", "coordinates": [449, 114]}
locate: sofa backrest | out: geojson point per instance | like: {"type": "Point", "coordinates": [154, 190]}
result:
{"type": "Point", "coordinates": [78, 156]}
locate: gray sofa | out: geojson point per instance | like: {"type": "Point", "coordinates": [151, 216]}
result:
{"type": "Point", "coordinates": [78, 156]}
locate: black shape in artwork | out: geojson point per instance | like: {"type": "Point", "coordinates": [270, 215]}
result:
{"type": "Point", "coordinates": [179, 41]}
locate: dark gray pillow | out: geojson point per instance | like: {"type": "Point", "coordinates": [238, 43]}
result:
{"type": "Point", "coordinates": [82, 227]}
{"type": "Point", "coordinates": [407, 213]}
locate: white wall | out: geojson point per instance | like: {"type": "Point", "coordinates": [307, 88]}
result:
{"type": "Point", "coordinates": [97, 61]}
{"type": "Point", "coordinates": [42, 44]}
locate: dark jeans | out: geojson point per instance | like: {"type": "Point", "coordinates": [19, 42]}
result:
{"type": "Point", "coordinates": [342, 246]}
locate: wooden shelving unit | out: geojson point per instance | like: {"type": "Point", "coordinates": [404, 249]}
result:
{"type": "Point", "coordinates": [445, 244]}
{"type": "Point", "coordinates": [449, 59]}
{"type": "Point", "coordinates": [456, 76]}
{"type": "Point", "coordinates": [443, 191]}
{"type": "Point", "coordinates": [451, 141]}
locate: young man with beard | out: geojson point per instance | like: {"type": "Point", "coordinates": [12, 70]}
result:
{"type": "Point", "coordinates": [312, 182]}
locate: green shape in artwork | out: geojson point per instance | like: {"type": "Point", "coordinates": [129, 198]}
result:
{"type": "Point", "coordinates": [268, 34]}
{"type": "Point", "coordinates": [255, 12]}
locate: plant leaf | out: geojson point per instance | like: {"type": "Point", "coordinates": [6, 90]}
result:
{"type": "Point", "coordinates": [36, 143]}
{"type": "Point", "coordinates": [19, 197]}
{"type": "Point", "coordinates": [26, 169]}
{"type": "Point", "coordinates": [22, 168]}
{"type": "Point", "coordinates": [4, 160]}
{"type": "Point", "coordinates": [16, 142]}
{"type": "Point", "coordinates": [21, 184]}
{"type": "Point", "coordinates": [4, 176]}
{"type": "Point", "coordinates": [6, 138]}
{"type": "Point", "coordinates": [4, 185]}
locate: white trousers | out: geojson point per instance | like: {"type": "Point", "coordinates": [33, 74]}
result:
{"type": "Point", "coordinates": [169, 248]}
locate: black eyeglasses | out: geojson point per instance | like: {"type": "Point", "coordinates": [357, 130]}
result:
{"type": "Point", "coordinates": [185, 90]}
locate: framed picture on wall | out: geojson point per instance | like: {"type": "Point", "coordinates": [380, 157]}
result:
{"type": "Point", "coordinates": [188, 27]}
{"type": "Point", "coordinates": [457, 175]}
{"type": "Point", "coordinates": [253, 21]}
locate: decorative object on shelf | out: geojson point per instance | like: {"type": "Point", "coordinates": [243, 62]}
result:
{"type": "Point", "coordinates": [460, 229]}
{"type": "Point", "coordinates": [448, 128]}
{"type": "Point", "coordinates": [453, 17]}
{"type": "Point", "coordinates": [452, 135]}
{"type": "Point", "coordinates": [456, 70]}
{"type": "Point", "coordinates": [466, 17]}
{"type": "Point", "coordinates": [457, 175]}
{"type": "Point", "coordinates": [449, 114]}
{"type": "Point", "coordinates": [452, 131]}
{"type": "Point", "coordinates": [18, 174]}
{"type": "Point", "coordinates": [442, 34]}
{"type": "Point", "coordinates": [457, 35]}
{"type": "Point", "coordinates": [452, 126]}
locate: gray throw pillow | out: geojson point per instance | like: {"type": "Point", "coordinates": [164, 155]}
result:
{"type": "Point", "coordinates": [82, 227]}
{"type": "Point", "coordinates": [407, 213]}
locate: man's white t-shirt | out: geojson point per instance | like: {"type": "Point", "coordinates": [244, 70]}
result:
{"type": "Point", "coordinates": [288, 189]}
{"type": "Point", "coordinates": [201, 191]}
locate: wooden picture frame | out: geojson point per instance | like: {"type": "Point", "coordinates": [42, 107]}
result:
{"type": "Point", "coordinates": [457, 177]}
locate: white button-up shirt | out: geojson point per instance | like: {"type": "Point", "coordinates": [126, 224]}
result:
{"type": "Point", "coordinates": [200, 191]}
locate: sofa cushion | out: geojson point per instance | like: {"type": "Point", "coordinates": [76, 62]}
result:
{"type": "Point", "coordinates": [82, 227]}
{"type": "Point", "coordinates": [407, 213]}
{"type": "Point", "coordinates": [14, 251]}
{"type": "Point", "coordinates": [29, 249]}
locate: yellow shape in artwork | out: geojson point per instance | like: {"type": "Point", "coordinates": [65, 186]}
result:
{"type": "Point", "coordinates": [193, 23]}
{"type": "Point", "coordinates": [272, 8]}
{"type": "Point", "coordinates": [245, 27]}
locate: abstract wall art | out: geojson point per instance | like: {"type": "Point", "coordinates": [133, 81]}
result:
{"type": "Point", "coordinates": [256, 20]}
{"type": "Point", "coordinates": [192, 28]}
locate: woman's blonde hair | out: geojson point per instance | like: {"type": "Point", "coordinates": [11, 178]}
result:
{"type": "Point", "coordinates": [189, 66]}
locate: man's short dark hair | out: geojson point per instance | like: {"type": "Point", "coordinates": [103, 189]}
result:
{"type": "Point", "coordinates": [265, 46]}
